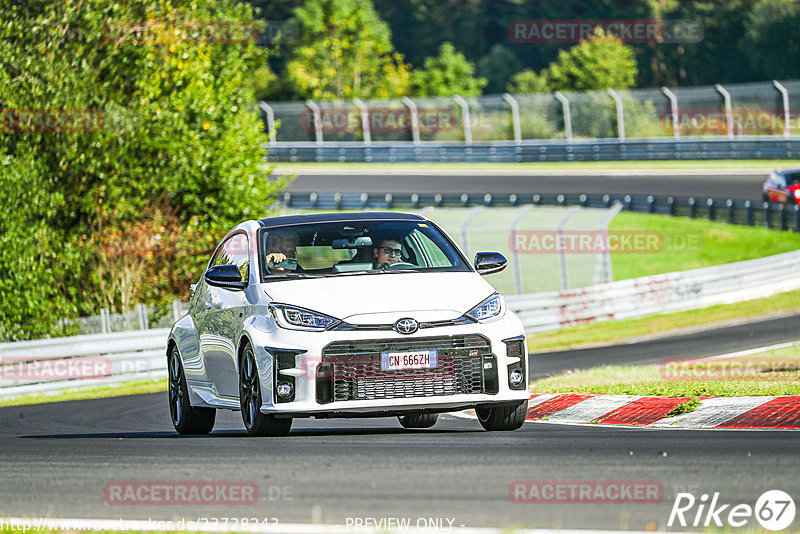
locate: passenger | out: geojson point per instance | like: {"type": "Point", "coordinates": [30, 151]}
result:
{"type": "Point", "coordinates": [387, 252]}
{"type": "Point", "coordinates": [283, 245]}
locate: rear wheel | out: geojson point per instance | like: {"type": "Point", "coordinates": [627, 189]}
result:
{"type": "Point", "coordinates": [418, 420]}
{"type": "Point", "coordinates": [503, 417]}
{"type": "Point", "coordinates": [256, 423]}
{"type": "Point", "coordinates": [185, 418]}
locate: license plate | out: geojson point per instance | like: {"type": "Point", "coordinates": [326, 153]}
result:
{"type": "Point", "coordinates": [406, 361]}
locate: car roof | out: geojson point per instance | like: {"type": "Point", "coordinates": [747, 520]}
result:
{"type": "Point", "coordinates": [273, 222]}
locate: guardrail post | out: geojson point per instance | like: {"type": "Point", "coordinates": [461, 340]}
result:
{"type": "Point", "coordinates": [673, 104]}
{"type": "Point", "coordinates": [692, 208]}
{"type": "Point", "coordinates": [310, 104]}
{"type": "Point", "coordinates": [414, 112]}
{"type": "Point", "coordinates": [465, 118]}
{"type": "Point", "coordinates": [767, 214]}
{"type": "Point", "coordinates": [651, 204]}
{"type": "Point", "coordinates": [620, 114]}
{"type": "Point", "coordinates": [731, 210]}
{"type": "Point", "coordinates": [726, 98]}
{"type": "Point", "coordinates": [671, 205]}
{"type": "Point", "coordinates": [628, 202]}
{"type": "Point", "coordinates": [389, 198]}
{"type": "Point", "coordinates": [270, 113]}
{"type": "Point", "coordinates": [512, 102]}
{"type": "Point", "coordinates": [362, 107]}
{"type": "Point", "coordinates": [177, 309]}
{"type": "Point", "coordinates": [748, 212]}
{"type": "Point", "coordinates": [142, 313]}
{"type": "Point", "coordinates": [710, 204]}
{"type": "Point", "coordinates": [566, 112]}
{"type": "Point", "coordinates": [105, 321]}
{"type": "Point", "coordinates": [787, 123]}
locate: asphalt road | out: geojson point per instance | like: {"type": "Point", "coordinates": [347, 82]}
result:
{"type": "Point", "coordinates": [738, 185]}
{"type": "Point", "coordinates": [56, 459]}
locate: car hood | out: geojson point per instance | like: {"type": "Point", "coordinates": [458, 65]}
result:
{"type": "Point", "coordinates": [373, 298]}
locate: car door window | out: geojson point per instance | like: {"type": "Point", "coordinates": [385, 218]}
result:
{"type": "Point", "coordinates": [234, 251]}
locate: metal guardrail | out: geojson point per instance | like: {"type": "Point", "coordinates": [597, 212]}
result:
{"type": "Point", "coordinates": [55, 364]}
{"type": "Point", "coordinates": [762, 147]}
{"type": "Point", "coordinates": [744, 212]}
{"type": "Point", "coordinates": [684, 290]}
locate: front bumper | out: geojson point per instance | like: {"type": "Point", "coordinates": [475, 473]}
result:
{"type": "Point", "coordinates": [357, 386]}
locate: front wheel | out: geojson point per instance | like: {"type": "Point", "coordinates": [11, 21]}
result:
{"type": "Point", "coordinates": [185, 418]}
{"type": "Point", "coordinates": [256, 423]}
{"type": "Point", "coordinates": [503, 417]}
{"type": "Point", "coordinates": [418, 420]}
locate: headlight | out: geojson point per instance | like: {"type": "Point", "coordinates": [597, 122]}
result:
{"type": "Point", "coordinates": [797, 193]}
{"type": "Point", "coordinates": [296, 318]}
{"type": "Point", "coordinates": [491, 308]}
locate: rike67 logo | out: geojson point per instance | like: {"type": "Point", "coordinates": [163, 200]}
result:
{"type": "Point", "coordinates": [774, 510]}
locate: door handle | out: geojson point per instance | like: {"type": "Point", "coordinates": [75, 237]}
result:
{"type": "Point", "coordinates": [208, 305]}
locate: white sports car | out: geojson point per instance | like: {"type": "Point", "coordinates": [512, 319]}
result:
{"type": "Point", "coordinates": [345, 315]}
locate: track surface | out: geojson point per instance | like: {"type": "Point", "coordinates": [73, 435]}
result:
{"type": "Point", "coordinates": [738, 185]}
{"type": "Point", "coordinates": [56, 459]}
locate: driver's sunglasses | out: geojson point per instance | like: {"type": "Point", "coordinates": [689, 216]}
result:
{"type": "Point", "coordinates": [392, 251]}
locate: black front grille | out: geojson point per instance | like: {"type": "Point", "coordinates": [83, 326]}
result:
{"type": "Point", "coordinates": [357, 373]}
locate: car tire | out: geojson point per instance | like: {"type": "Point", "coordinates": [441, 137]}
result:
{"type": "Point", "coordinates": [504, 417]}
{"type": "Point", "coordinates": [418, 420]}
{"type": "Point", "coordinates": [185, 418]}
{"type": "Point", "coordinates": [255, 422]}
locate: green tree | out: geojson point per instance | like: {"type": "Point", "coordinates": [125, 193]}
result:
{"type": "Point", "coordinates": [528, 82]}
{"type": "Point", "coordinates": [601, 62]}
{"type": "Point", "coordinates": [447, 74]}
{"type": "Point", "coordinates": [773, 38]}
{"type": "Point", "coordinates": [344, 51]}
{"type": "Point", "coordinates": [497, 67]}
{"type": "Point", "coordinates": [108, 107]}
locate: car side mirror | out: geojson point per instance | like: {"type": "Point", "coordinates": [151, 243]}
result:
{"type": "Point", "coordinates": [489, 262]}
{"type": "Point", "coordinates": [225, 276]}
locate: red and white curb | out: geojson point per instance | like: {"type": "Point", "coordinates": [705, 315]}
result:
{"type": "Point", "coordinates": [715, 412]}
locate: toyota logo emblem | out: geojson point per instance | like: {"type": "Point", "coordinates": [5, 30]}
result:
{"type": "Point", "coordinates": [406, 326]}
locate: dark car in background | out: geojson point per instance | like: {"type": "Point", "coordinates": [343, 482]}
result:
{"type": "Point", "coordinates": [782, 187]}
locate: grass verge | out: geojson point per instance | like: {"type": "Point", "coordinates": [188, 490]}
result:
{"type": "Point", "coordinates": [131, 387]}
{"type": "Point", "coordinates": [683, 243]}
{"type": "Point", "coordinates": [774, 372]}
{"type": "Point", "coordinates": [626, 330]}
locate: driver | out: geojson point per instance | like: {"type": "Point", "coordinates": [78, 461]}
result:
{"type": "Point", "coordinates": [283, 245]}
{"type": "Point", "coordinates": [387, 252]}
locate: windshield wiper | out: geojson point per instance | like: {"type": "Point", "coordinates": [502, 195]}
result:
{"type": "Point", "coordinates": [294, 275]}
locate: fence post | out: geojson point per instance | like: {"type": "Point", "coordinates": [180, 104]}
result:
{"type": "Point", "coordinates": [142, 312]}
{"type": "Point", "coordinates": [673, 104]}
{"type": "Point", "coordinates": [412, 109]}
{"type": "Point", "coordinates": [567, 115]}
{"type": "Point", "coordinates": [620, 114]}
{"type": "Point", "coordinates": [710, 204]}
{"type": "Point", "coordinates": [177, 309]}
{"type": "Point", "coordinates": [362, 107]}
{"type": "Point", "coordinates": [512, 102]}
{"type": "Point", "coordinates": [105, 321]}
{"type": "Point", "coordinates": [268, 111]}
{"type": "Point", "coordinates": [731, 211]}
{"type": "Point", "coordinates": [797, 218]}
{"type": "Point", "coordinates": [464, 118]}
{"type": "Point", "coordinates": [518, 285]}
{"type": "Point", "coordinates": [562, 256]}
{"type": "Point", "coordinates": [317, 119]}
{"type": "Point", "coordinates": [748, 212]}
{"type": "Point", "coordinates": [767, 214]}
{"type": "Point", "coordinates": [692, 208]}
{"type": "Point", "coordinates": [787, 123]}
{"type": "Point", "coordinates": [465, 226]}
{"type": "Point", "coordinates": [726, 98]}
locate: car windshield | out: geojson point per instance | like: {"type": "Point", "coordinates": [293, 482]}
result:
{"type": "Point", "coordinates": [359, 247]}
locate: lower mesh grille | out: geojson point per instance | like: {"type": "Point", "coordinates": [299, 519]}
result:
{"type": "Point", "coordinates": [357, 373]}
